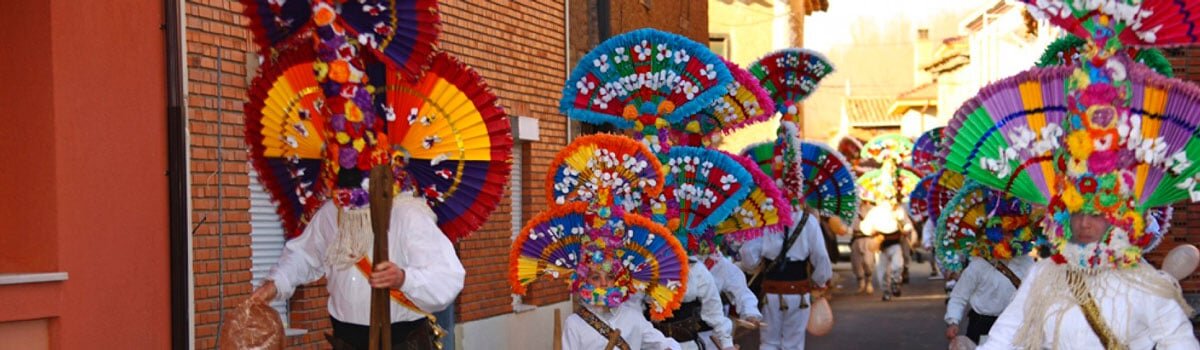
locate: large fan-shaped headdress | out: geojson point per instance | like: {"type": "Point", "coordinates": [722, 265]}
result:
{"type": "Point", "coordinates": [892, 149]}
{"type": "Point", "coordinates": [593, 166]}
{"type": "Point", "coordinates": [765, 209]}
{"type": "Point", "coordinates": [1135, 23]}
{"type": "Point", "coordinates": [744, 103]}
{"type": "Point", "coordinates": [790, 76]}
{"type": "Point", "coordinates": [925, 151]}
{"type": "Point", "coordinates": [918, 199]}
{"type": "Point", "coordinates": [568, 238]}
{"type": "Point", "coordinates": [703, 188]}
{"type": "Point", "coordinates": [879, 185]}
{"type": "Point", "coordinates": [322, 113]}
{"type": "Point", "coordinates": [644, 80]}
{"type": "Point", "coordinates": [401, 33]}
{"type": "Point", "coordinates": [1068, 50]}
{"type": "Point", "coordinates": [829, 182]}
{"type": "Point", "coordinates": [942, 188]}
{"type": "Point", "coordinates": [985, 223]}
{"type": "Point", "coordinates": [1108, 137]}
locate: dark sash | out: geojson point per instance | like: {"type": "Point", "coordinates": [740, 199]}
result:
{"type": "Point", "coordinates": [1012, 277]}
{"type": "Point", "coordinates": [600, 326]}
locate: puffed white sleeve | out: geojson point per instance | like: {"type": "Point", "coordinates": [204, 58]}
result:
{"type": "Point", "coordinates": [652, 338]}
{"type": "Point", "coordinates": [751, 254]}
{"type": "Point", "coordinates": [1172, 329]}
{"type": "Point", "coordinates": [1004, 331]}
{"type": "Point", "coordinates": [711, 309]}
{"type": "Point", "coordinates": [867, 224]}
{"type": "Point", "coordinates": [302, 260]}
{"type": "Point", "coordinates": [963, 289]}
{"type": "Point", "coordinates": [735, 284]}
{"type": "Point", "coordinates": [927, 233]}
{"type": "Point", "coordinates": [434, 275]}
{"type": "Point", "coordinates": [817, 255]}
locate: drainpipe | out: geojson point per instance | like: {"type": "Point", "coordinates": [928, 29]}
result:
{"type": "Point", "coordinates": [177, 200]}
{"type": "Point", "coordinates": [567, 57]}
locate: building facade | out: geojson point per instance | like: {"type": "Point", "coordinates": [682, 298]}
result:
{"type": "Point", "coordinates": [524, 52]}
{"type": "Point", "coordinates": [84, 248]}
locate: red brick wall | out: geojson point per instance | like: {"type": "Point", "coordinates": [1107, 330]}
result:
{"type": "Point", "coordinates": [1185, 225]}
{"type": "Point", "coordinates": [687, 18]}
{"type": "Point", "coordinates": [518, 47]}
{"type": "Point", "coordinates": [213, 24]}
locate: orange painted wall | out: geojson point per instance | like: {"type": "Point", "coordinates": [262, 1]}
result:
{"type": "Point", "coordinates": [27, 243]}
{"type": "Point", "coordinates": [100, 146]}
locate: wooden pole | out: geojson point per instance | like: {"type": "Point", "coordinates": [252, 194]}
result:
{"type": "Point", "coordinates": [380, 334]}
{"type": "Point", "coordinates": [612, 339]}
{"type": "Point", "coordinates": [558, 329]}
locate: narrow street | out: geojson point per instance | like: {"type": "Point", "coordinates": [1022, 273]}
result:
{"type": "Point", "coordinates": [911, 321]}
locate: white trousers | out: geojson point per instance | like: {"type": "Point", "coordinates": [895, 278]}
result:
{"type": "Point", "coordinates": [890, 267]}
{"type": "Point", "coordinates": [706, 338]}
{"type": "Point", "coordinates": [784, 329]}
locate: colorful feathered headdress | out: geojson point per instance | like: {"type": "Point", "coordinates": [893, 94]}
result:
{"type": "Point", "coordinates": [985, 223]}
{"type": "Point", "coordinates": [592, 183]}
{"type": "Point", "coordinates": [1107, 137]}
{"type": "Point", "coordinates": [346, 88]}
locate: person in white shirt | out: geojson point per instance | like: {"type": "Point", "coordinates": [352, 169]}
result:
{"type": "Point", "coordinates": [987, 291]}
{"type": "Point", "coordinates": [701, 311]}
{"type": "Point", "coordinates": [731, 282]}
{"type": "Point", "coordinates": [582, 331]}
{"type": "Point", "coordinates": [1062, 306]}
{"type": "Point", "coordinates": [927, 233]}
{"type": "Point", "coordinates": [883, 219]}
{"type": "Point", "coordinates": [863, 251]}
{"type": "Point", "coordinates": [787, 285]}
{"type": "Point", "coordinates": [422, 265]}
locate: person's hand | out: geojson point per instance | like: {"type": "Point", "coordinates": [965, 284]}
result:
{"type": "Point", "coordinates": [264, 293]}
{"type": "Point", "coordinates": [753, 322]}
{"type": "Point", "coordinates": [951, 331]}
{"type": "Point", "coordinates": [387, 275]}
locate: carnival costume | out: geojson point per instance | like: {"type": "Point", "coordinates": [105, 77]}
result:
{"type": "Point", "coordinates": [1104, 138]}
{"type": "Point", "coordinates": [588, 229]}
{"type": "Point", "coordinates": [347, 89]}
{"type": "Point", "coordinates": [985, 237]}
{"type": "Point", "coordinates": [678, 98]}
{"type": "Point", "coordinates": [783, 257]}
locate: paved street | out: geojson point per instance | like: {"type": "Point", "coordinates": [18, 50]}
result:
{"type": "Point", "coordinates": [912, 321]}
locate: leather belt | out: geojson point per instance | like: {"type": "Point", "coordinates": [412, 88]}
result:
{"type": "Point", "coordinates": [787, 287]}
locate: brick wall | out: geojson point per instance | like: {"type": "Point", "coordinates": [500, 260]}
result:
{"type": "Point", "coordinates": [212, 25]}
{"type": "Point", "coordinates": [1185, 225]}
{"type": "Point", "coordinates": [225, 263]}
{"type": "Point", "coordinates": [519, 48]}
{"type": "Point", "coordinates": [687, 18]}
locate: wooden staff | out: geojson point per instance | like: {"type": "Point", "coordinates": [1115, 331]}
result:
{"type": "Point", "coordinates": [381, 215]}
{"type": "Point", "coordinates": [558, 329]}
{"type": "Point", "coordinates": [613, 337]}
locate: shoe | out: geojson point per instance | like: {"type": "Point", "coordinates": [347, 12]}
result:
{"type": "Point", "coordinates": [887, 296]}
{"type": "Point", "coordinates": [870, 289]}
{"type": "Point", "coordinates": [896, 291]}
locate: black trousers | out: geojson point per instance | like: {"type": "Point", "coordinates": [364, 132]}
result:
{"type": "Point", "coordinates": [979, 325]}
{"type": "Point", "coordinates": [410, 335]}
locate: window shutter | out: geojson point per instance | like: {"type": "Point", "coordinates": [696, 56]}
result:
{"type": "Point", "coordinates": [266, 238]}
